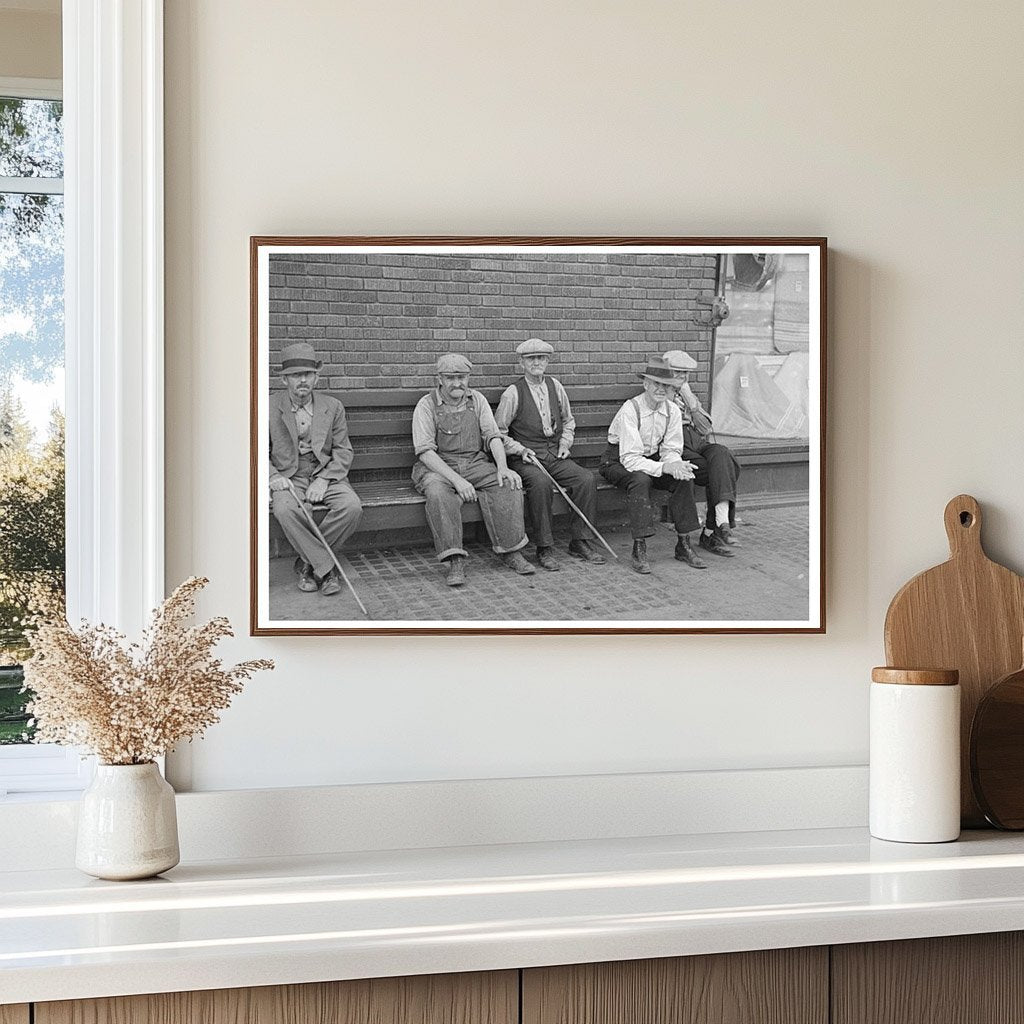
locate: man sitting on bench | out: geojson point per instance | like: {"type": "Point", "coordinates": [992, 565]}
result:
{"type": "Point", "coordinates": [645, 450]}
{"type": "Point", "coordinates": [310, 456]}
{"type": "Point", "coordinates": [537, 425]}
{"type": "Point", "coordinates": [452, 430]}
{"type": "Point", "coordinates": [716, 466]}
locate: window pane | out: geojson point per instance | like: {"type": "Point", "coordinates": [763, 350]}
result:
{"type": "Point", "coordinates": [31, 138]}
{"type": "Point", "coordinates": [762, 367]}
{"type": "Point", "coordinates": [31, 429]}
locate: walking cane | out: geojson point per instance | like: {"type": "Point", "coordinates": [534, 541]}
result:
{"type": "Point", "coordinates": [574, 506]}
{"type": "Point", "coordinates": [334, 558]}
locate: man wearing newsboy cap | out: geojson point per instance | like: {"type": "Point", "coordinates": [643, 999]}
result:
{"type": "Point", "coordinates": [310, 449]}
{"type": "Point", "coordinates": [716, 467]}
{"type": "Point", "coordinates": [537, 426]}
{"type": "Point", "coordinates": [645, 451]}
{"type": "Point", "coordinates": [453, 430]}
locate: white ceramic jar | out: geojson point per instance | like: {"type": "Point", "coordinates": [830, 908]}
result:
{"type": "Point", "coordinates": [915, 755]}
{"type": "Point", "coordinates": [127, 823]}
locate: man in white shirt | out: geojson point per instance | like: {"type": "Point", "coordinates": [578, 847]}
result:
{"type": "Point", "coordinates": [537, 428]}
{"type": "Point", "coordinates": [645, 451]}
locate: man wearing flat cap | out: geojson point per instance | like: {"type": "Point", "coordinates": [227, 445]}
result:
{"type": "Point", "coordinates": [645, 452]}
{"type": "Point", "coordinates": [716, 467]}
{"type": "Point", "coordinates": [453, 430]}
{"type": "Point", "coordinates": [537, 426]}
{"type": "Point", "coordinates": [310, 449]}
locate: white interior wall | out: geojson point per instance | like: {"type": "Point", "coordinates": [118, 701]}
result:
{"type": "Point", "coordinates": [894, 129]}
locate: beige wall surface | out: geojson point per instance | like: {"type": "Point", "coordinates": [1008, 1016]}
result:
{"type": "Point", "coordinates": [894, 129]}
{"type": "Point", "coordinates": [29, 44]}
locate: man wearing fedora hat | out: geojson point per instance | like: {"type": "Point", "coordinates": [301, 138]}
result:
{"type": "Point", "coordinates": [537, 426]}
{"type": "Point", "coordinates": [645, 451]}
{"type": "Point", "coordinates": [310, 449]}
{"type": "Point", "coordinates": [716, 467]}
{"type": "Point", "coordinates": [453, 432]}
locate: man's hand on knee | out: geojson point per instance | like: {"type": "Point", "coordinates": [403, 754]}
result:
{"type": "Point", "coordinates": [317, 490]}
{"type": "Point", "coordinates": [511, 477]}
{"type": "Point", "coordinates": [464, 489]}
{"type": "Point", "coordinates": [680, 470]}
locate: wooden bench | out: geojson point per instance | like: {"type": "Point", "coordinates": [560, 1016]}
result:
{"type": "Point", "coordinates": [380, 426]}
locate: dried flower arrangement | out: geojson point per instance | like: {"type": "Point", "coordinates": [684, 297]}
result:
{"type": "Point", "coordinates": [129, 704]}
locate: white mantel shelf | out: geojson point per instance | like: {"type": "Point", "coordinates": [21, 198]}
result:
{"type": "Point", "coordinates": [225, 924]}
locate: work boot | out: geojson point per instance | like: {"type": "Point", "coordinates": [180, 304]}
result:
{"type": "Point", "coordinates": [581, 549]}
{"type": "Point", "coordinates": [456, 571]}
{"type": "Point", "coordinates": [725, 532]}
{"type": "Point", "coordinates": [515, 561]}
{"type": "Point", "coordinates": [331, 584]}
{"type": "Point", "coordinates": [307, 580]}
{"type": "Point", "coordinates": [639, 562]}
{"type": "Point", "coordinates": [546, 559]}
{"type": "Point", "coordinates": [685, 553]}
{"type": "Point", "coordinates": [713, 543]}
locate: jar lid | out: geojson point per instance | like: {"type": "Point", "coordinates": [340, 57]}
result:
{"type": "Point", "coordinates": [916, 676]}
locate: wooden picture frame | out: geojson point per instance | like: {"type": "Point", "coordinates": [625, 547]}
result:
{"type": "Point", "coordinates": [378, 311]}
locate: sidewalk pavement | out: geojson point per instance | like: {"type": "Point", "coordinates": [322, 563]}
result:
{"type": "Point", "coordinates": [766, 580]}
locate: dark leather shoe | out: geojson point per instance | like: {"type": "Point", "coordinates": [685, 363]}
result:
{"type": "Point", "coordinates": [713, 543]}
{"type": "Point", "coordinates": [639, 561]}
{"type": "Point", "coordinates": [546, 559]}
{"type": "Point", "coordinates": [307, 580]}
{"type": "Point", "coordinates": [725, 532]}
{"type": "Point", "coordinates": [581, 549]}
{"type": "Point", "coordinates": [515, 561]}
{"type": "Point", "coordinates": [331, 584]}
{"type": "Point", "coordinates": [456, 571]}
{"type": "Point", "coordinates": [685, 553]}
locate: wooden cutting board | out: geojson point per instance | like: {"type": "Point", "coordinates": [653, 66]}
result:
{"type": "Point", "coordinates": [967, 614]}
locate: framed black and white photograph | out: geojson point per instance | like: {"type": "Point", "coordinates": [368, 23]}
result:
{"type": "Point", "coordinates": [537, 435]}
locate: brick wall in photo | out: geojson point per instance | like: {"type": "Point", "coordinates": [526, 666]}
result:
{"type": "Point", "coordinates": [380, 321]}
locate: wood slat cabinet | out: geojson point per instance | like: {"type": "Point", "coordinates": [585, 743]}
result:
{"type": "Point", "coordinates": [967, 979]}
{"type": "Point", "coordinates": [961, 979]}
{"type": "Point", "coordinates": [776, 986]}
{"type": "Point", "coordinates": [479, 998]}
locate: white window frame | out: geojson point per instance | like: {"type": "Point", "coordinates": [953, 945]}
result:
{"type": "Point", "coordinates": [114, 345]}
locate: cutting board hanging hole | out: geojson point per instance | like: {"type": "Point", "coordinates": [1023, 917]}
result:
{"type": "Point", "coordinates": [963, 526]}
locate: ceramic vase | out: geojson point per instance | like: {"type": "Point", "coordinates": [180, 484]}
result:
{"type": "Point", "coordinates": [127, 825]}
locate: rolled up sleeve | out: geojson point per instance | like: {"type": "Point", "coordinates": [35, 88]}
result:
{"type": "Point", "coordinates": [424, 426]}
{"type": "Point", "coordinates": [488, 428]}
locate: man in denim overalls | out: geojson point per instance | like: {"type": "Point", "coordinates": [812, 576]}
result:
{"type": "Point", "coordinates": [453, 429]}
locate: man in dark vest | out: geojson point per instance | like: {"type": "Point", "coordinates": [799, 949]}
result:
{"type": "Point", "coordinates": [537, 426]}
{"type": "Point", "coordinates": [310, 449]}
